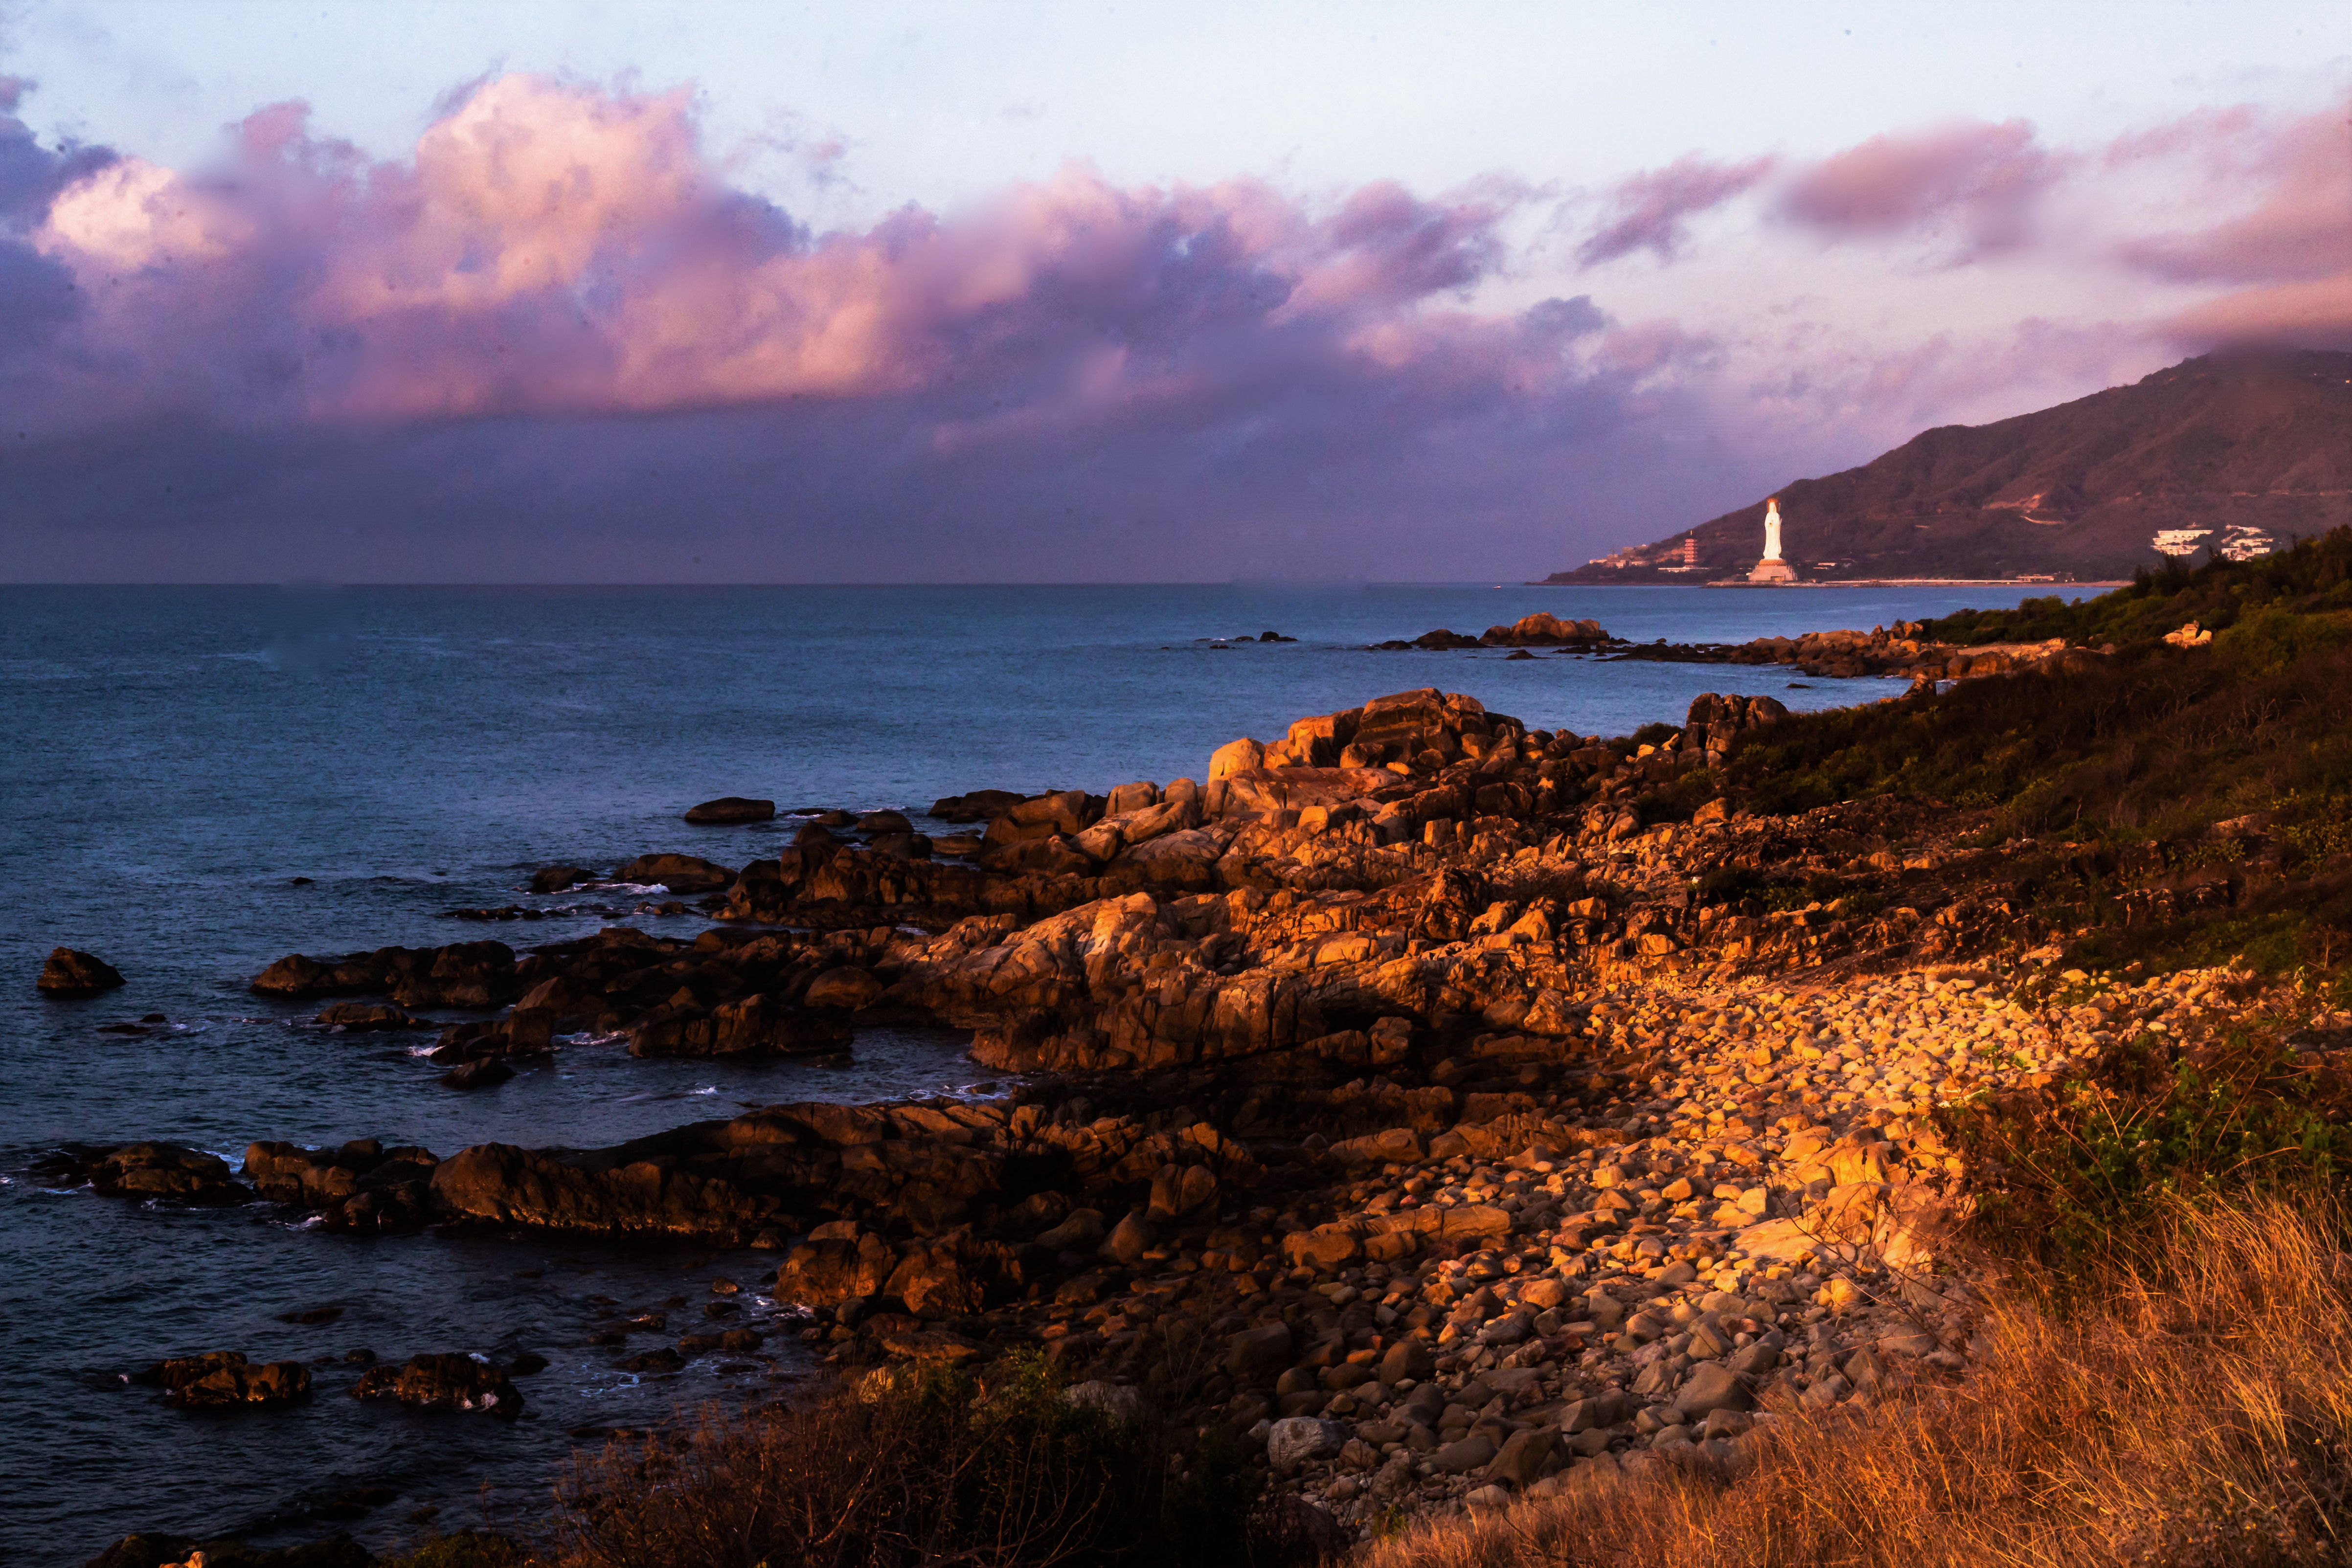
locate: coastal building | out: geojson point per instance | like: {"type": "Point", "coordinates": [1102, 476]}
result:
{"type": "Point", "coordinates": [2239, 542]}
{"type": "Point", "coordinates": [1772, 569]}
{"type": "Point", "coordinates": [2178, 542]}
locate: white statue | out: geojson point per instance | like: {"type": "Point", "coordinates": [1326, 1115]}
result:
{"type": "Point", "coordinates": [1772, 569]}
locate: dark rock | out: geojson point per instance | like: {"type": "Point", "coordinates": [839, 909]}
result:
{"type": "Point", "coordinates": [362, 1018]}
{"type": "Point", "coordinates": [528, 1363]}
{"type": "Point", "coordinates": [755, 1026]}
{"type": "Point", "coordinates": [1443, 639]}
{"type": "Point", "coordinates": [732, 809]}
{"type": "Point", "coordinates": [902, 846]}
{"type": "Point", "coordinates": [243, 1384]}
{"type": "Point", "coordinates": [847, 987]}
{"type": "Point", "coordinates": [884, 822]}
{"type": "Point", "coordinates": [482, 1074]}
{"type": "Point", "coordinates": [444, 1381]}
{"type": "Point", "coordinates": [167, 1171]}
{"type": "Point", "coordinates": [224, 1377]}
{"type": "Point", "coordinates": [601, 1192]}
{"type": "Point", "coordinates": [662, 1360]}
{"type": "Point", "coordinates": [559, 878]}
{"type": "Point", "coordinates": [1062, 813]}
{"type": "Point", "coordinates": [1258, 1353]}
{"type": "Point", "coordinates": [679, 873]}
{"type": "Point", "coordinates": [837, 1269]}
{"type": "Point", "coordinates": [979, 806]}
{"type": "Point", "coordinates": [69, 973]}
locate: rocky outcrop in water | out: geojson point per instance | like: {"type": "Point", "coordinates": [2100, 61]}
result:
{"type": "Point", "coordinates": [731, 809]}
{"type": "Point", "coordinates": [460, 975]}
{"type": "Point", "coordinates": [360, 1186]}
{"type": "Point", "coordinates": [225, 1378]}
{"type": "Point", "coordinates": [68, 972]}
{"type": "Point", "coordinates": [444, 1381]}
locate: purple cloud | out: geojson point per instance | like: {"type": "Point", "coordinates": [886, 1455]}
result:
{"type": "Point", "coordinates": [1651, 210]}
{"type": "Point", "coordinates": [1978, 179]}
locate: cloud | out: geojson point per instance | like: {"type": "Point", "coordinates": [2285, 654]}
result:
{"type": "Point", "coordinates": [1651, 210]}
{"type": "Point", "coordinates": [559, 337]}
{"type": "Point", "coordinates": [551, 248]}
{"type": "Point", "coordinates": [2290, 185]}
{"type": "Point", "coordinates": [568, 275]}
{"type": "Point", "coordinates": [1973, 183]}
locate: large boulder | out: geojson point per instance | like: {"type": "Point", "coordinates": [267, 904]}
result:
{"type": "Point", "coordinates": [730, 808]}
{"type": "Point", "coordinates": [1062, 813]}
{"type": "Point", "coordinates": [461, 975]}
{"type": "Point", "coordinates": [72, 973]}
{"type": "Point", "coordinates": [600, 1193]}
{"type": "Point", "coordinates": [1544, 629]}
{"type": "Point", "coordinates": [1302, 1439]}
{"type": "Point", "coordinates": [1181, 1192]}
{"type": "Point", "coordinates": [978, 806]}
{"type": "Point", "coordinates": [679, 873]}
{"type": "Point", "coordinates": [836, 1270]}
{"type": "Point", "coordinates": [169, 1172]}
{"type": "Point", "coordinates": [1711, 1387]}
{"type": "Point", "coordinates": [847, 987]}
{"type": "Point", "coordinates": [1259, 1353]}
{"type": "Point", "coordinates": [1240, 756]}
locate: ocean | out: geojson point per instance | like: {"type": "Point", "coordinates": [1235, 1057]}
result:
{"type": "Point", "coordinates": [197, 781]}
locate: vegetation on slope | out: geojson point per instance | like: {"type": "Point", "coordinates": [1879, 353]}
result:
{"type": "Point", "coordinates": [2212, 784]}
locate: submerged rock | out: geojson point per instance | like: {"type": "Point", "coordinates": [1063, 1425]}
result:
{"type": "Point", "coordinates": [679, 873]}
{"type": "Point", "coordinates": [729, 809]}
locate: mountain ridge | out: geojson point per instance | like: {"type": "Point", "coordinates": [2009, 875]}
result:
{"type": "Point", "coordinates": [2233, 443]}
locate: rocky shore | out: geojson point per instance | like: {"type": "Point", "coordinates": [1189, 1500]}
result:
{"type": "Point", "coordinates": [1439, 1104]}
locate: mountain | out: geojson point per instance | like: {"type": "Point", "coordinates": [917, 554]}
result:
{"type": "Point", "coordinates": [2238, 444]}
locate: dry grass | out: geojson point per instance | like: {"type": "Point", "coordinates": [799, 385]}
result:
{"type": "Point", "coordinates": [2201, 1418]}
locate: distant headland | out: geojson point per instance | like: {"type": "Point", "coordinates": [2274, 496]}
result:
{"type": "Point", "coordinates": [2227, 455]}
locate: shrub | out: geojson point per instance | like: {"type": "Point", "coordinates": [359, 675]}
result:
{"type": "Point", "coordinates": [927, 1468]}
{"type": "Point", "coordinates": [2082, 1174]}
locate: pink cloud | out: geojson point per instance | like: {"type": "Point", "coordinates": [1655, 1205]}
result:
{"type": "Point", "coordinates": [1652, 209]}
{"type": "Point", "coordinates": [1975, 182]}
{"type": "Point", "coordinates": [552, 249]}
{"type": "Point", "coordinates": [2287, 187]}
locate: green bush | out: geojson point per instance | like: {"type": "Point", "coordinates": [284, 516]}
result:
{"type": "Point", "coordinates": [2083, 1172]}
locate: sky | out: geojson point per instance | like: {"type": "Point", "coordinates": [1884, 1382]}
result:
{"type": "Point", "coordinates": [600, 292]}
